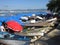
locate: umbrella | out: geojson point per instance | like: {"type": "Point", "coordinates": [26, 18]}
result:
{"type": "Point", "coordinates": [15, 26]}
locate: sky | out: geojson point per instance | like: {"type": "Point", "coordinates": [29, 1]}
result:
{"type": "Point", "coordinates": [23, 4]}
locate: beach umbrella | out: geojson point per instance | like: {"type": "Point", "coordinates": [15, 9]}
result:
{"type": "Point", "coordinates": [15, 26]}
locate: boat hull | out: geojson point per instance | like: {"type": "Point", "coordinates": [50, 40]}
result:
{"type": "Point", "coordinates": [13, 42]}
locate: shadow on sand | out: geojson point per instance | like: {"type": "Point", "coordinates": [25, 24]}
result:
{"type": "Point", "coordinates": [54, 41]}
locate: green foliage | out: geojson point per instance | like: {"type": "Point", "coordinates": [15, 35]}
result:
{"type": "Point", "coordinates": [54, 5]}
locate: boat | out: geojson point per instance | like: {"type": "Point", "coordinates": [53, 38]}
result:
{"type": "Point", "coordinates": [36, 29]}
{"type": "Point", "coordinates": [12, 39]}
{"type": "Point", "coordinates": [33, 31]}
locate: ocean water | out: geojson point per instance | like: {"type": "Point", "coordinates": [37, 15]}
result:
{"type": "Point", "coordinates": [17, 16]}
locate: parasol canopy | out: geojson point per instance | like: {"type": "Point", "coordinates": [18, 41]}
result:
{"type": "Point", "coordinates": [15, 26]}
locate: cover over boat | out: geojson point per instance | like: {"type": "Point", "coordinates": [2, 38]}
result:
{"type": "Point", "coordinates": [15, 26]}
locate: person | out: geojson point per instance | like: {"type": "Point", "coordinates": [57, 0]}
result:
{"type": "Point", "coordinates": [2, 27]}
{"type": "Point", "coordinates": [57, 21]}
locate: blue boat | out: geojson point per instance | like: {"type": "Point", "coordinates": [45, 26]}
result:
{"type": "Point", "coordinates": [12, 39]}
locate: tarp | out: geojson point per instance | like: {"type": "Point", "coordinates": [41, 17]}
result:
{"type": "Point", "coordinates": [15, 26]}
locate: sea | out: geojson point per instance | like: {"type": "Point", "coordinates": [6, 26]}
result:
{"type": "Point", "coordinates": [7, 17]}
